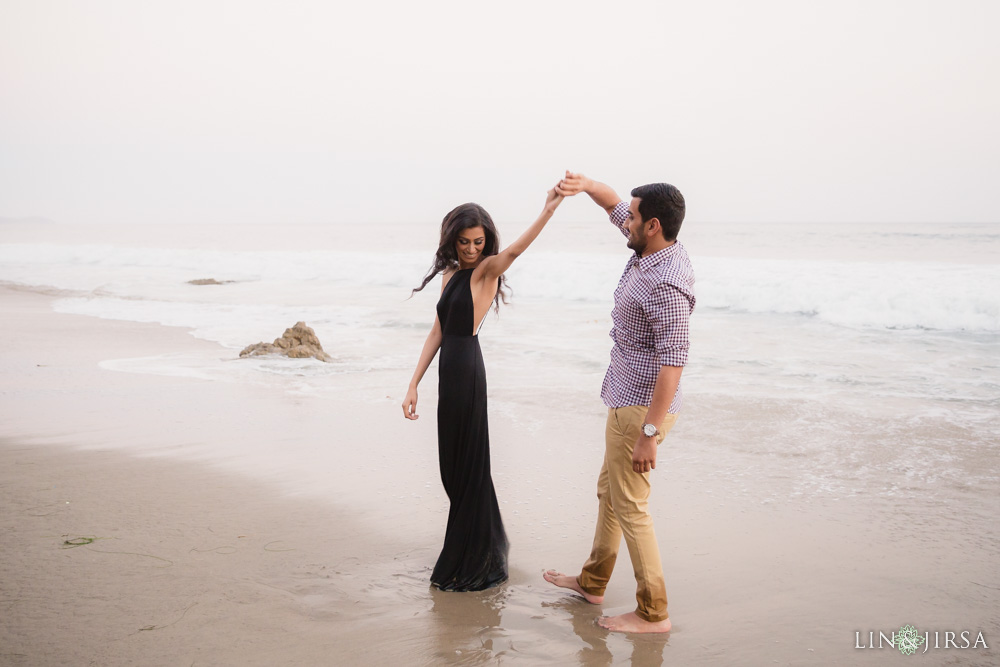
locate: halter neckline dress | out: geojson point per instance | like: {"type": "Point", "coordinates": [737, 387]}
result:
{"type": "Point", "coordinates": [474, 556]}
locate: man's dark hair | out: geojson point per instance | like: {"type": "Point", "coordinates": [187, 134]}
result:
{"type": "Point", "coordinates": [664, 202]}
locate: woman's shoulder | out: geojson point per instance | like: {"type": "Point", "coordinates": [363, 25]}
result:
{"type": "Point", "coordinates": [482, 271]}
{"type": "Point", "coordinates": [446, 275]}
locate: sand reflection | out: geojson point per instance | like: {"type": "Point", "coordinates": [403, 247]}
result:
{"type": "Point", "coordinates": [467, 625]}
{"type": "Point", "coordinates": [645, 649]}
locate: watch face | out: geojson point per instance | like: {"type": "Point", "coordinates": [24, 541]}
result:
{"type": "Point", "coordinates": [649, 429]}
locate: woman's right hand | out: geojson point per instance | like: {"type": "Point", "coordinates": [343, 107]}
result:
{"type": "Point", "coordinates": [410, 404]}
{"type": "Point", "coordinates": [552, 199]}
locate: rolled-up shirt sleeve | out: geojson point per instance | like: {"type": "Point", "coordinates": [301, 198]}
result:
{"type": "Point", "coordinates": [669, 312]}
{"type": "Point", "coordinates": [618, 216]}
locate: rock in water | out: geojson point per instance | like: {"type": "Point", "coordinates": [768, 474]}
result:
{"type": "Point", "coordinates": [297, 342]}
{"type": "Point", "coordinates": [209, 281]}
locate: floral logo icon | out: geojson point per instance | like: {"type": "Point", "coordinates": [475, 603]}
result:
{"type": "Point", "coordinates": [908, 640]}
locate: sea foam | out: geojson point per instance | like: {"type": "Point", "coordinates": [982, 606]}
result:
{"type": "Point", "coordinates": [880, 295]}
{"type": "Point", "coordinates": [885, 295]}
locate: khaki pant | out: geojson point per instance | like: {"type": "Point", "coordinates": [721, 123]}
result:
{"type": "Point", "coordinates": [624, 510]}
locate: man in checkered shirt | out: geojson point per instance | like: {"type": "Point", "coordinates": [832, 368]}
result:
{"type": "Point", "coordinates": [653, 302]}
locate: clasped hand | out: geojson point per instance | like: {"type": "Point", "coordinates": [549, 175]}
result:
{"type": "Point", "coordinates": [572, 184]}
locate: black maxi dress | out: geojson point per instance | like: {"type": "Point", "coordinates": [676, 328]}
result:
{"type": "Point", "coordinates": [474, 556]}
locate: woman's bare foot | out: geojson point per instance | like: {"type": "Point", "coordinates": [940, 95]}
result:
{"type": "Point", "coordinates": [572, 583]}
{"type": "Point", "coordinates": [631, 622]}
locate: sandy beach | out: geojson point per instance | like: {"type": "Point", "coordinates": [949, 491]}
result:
{"type": "Point", "coordinates": [141, 529]}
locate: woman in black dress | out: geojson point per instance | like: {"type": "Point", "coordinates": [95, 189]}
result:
{"type": "Point", "coordinates": [474, 556]}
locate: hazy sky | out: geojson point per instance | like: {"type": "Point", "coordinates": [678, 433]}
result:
{"type": "Point", "coordinates": [300, 111]}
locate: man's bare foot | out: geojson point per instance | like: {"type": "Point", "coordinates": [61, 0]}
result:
{"type": "Point", "coordinates": [631, 622]}
{"type": "Point", "coordinates": [570, 582]}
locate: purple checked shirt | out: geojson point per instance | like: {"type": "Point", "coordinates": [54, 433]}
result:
{"type": "Point", "coordinates": [653, 303]}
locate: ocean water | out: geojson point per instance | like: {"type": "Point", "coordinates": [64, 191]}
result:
{"type": "Point", "coordinates": [850, 343]}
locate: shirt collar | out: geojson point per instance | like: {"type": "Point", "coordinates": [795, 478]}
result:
{"type": "Point", "coordinates": [658, 257]}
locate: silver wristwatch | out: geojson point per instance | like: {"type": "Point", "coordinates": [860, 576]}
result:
{"type": "Point", "coordinates": [649, 430]}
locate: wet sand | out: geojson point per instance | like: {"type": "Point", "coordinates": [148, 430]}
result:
{"type": "Point", "coordinates": [244, 524]}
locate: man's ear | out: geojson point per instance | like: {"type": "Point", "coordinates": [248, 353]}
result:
{"type": "Point", "coordinates": [654, 227]}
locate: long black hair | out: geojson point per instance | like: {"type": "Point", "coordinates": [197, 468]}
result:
{"type": "Point", "coordinates": [462, 217]}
